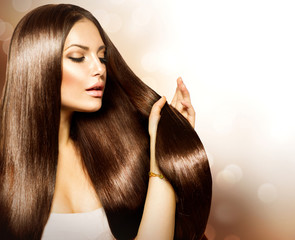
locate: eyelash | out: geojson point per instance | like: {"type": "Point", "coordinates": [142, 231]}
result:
{"type": "Point", "coordinates": [81, 59]}
{"type": "Point", "coordinates": [103, 60]}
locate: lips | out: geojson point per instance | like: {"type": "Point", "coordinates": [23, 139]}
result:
{"type": "Point", "coordinates": [96, 90]}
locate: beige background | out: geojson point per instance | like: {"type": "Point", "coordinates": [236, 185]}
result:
{"type": "Point", "coordinates": [237, 59]}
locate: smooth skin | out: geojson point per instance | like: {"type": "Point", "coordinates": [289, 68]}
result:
{"type": "Point", "coordinates": [74, 192]}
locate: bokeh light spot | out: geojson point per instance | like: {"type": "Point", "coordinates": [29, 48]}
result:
{"type": "Point", "coordinates": [2, 27]}
{"type": "Point", "coordinates": [229, 176]}
{"type": "Point", "coordinates": [225, 179]}
{"type": "Point", "coordinates": [267, 193]}
{"type": "Point", "coordinates": [236, 170]}
{"type": "Point", "coordinates": [7, 33]}
{"type": "Point", "coordinates": [103, 17]}
{"type": "Point", "coordinates": [21, 5]}
{"type": "Point", "coordinates": [111, 22]}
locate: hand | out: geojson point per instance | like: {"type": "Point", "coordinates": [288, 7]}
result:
{"type": "Point", "coordinates": [182, 102]}
{"type": "Point", "coordinates": [153, 125]}
{"type": "Point", "coordinates": [155, 116]}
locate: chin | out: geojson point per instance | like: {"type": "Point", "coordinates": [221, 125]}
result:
{"type": "Point", "coordinates": [89, 108]}
{"type": "Point", "coordinates": [94, 109]}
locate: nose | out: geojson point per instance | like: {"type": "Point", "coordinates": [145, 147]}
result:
{"type": "Point", "coordinates": [98, 68]}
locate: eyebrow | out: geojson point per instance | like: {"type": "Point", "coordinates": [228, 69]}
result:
{"type": "Point", "coordinates": [85, 47]}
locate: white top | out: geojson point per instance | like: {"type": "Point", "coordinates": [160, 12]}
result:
{"type": "Point", "coordinates": [77, 226]}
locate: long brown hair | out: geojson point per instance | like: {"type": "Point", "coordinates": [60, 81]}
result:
{"type": "Point", "coordinates": [113, 142]}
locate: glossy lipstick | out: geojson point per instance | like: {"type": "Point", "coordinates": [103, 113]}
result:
{"type": "Point", "coordinates": [96, 90]}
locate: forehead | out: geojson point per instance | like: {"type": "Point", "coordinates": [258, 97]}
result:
{"type": "Point", "coordinates": [84, 32]}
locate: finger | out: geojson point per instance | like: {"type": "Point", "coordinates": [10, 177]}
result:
{"type": "Point", "coordinates": [185, 104]}
{"type": "Point", "coordinates": [187, 109]}
{"type": "Point", "coordinates": [155, 116]}
{"type": "Point", "coordinates": [190, 113]}
{"type": "Point", "coordinates": [185, 98]}
{"type": "Point", "coordinates": [184, 92]}
{"type": "Point", "coordinates": [179, 81]}
{"type": "Point", "coordinates": [177, 94]}
{"type": "Point", "coordinates": [156, 109]}
{"type": "Point", "coordinates": [182, 102]}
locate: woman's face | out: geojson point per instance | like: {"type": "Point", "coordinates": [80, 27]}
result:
{"type": "Point", "coordinates": [83, 69]}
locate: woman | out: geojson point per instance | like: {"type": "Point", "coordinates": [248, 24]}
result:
{"type": "Point", "coordinates": [80, 132]}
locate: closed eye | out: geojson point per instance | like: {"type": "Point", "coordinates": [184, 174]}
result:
{"type": "Point", "coordinates": [103, 60]}
{"type": "Point", "coordinates": [80, 59]}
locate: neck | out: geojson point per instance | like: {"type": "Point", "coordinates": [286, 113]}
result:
{"type": "Point", "coordinates": [64, 128]}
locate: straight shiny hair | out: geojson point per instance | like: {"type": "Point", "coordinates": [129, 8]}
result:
{"type": "Point", "coordinates": [113, 142]}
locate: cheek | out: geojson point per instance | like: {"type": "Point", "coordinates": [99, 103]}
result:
{"type": "Point", "coordinates": [71, 83]}
{"type": "Point", "coordinates": [69, 76]}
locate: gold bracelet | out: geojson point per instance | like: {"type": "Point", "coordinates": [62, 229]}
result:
{"type": "Point", "coordinates": [151, 174]}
